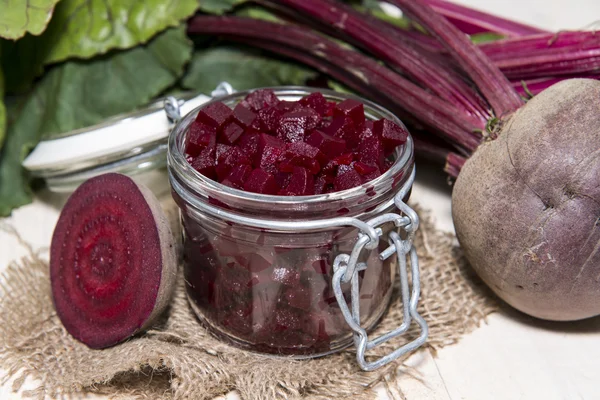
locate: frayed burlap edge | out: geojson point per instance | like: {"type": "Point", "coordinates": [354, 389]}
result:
{"type": "Point", "coordinates": [177, 359]}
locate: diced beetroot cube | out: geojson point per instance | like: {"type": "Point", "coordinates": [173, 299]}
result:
{"type": "Point", "coordinates": [231, 132]}
{"type": "Point", "coordinates": [298, 297]}
{"type": "Point", "coordinates": [317, 102]}
{"type": "Point", "coordinates": [235, 278]}
{"type": "Point", "coordinates": [304, 155]}
{"type": "Point", "coordinates": [364, 169]}
{"type": "Point", "coordinates": [223, 148]}
{"type": "Point", "coordinates": [293, 125]}
{"type": "Point", "coordinates": [243, 115]}
{"type": "Point", "coordinates": [390, 133]}
{"type": "Point", "coordinates": [305, 116]}
{"type": "Point", "coordinates": [347, 180]}
{"type": "Point", "coordinates": [371, 152]}
{"type": "Point", "coordinates": [229, 160]}
{"type": "Point", "coordinates": [199, 137]}
{"type": "Point", "coordinates": [248, 143]}
{"type": "Point", "coordinates": [205, 162]}
{"type": "Point", "coordinates": [260, 99]}
{"type": "Point", "coordinates": [367, 130]}
{"type": "Point", "coordinates": [330, 106]}
{"type": "Point", "coordinates": [285, 319]}
{"type": "Point", "coordinates": [268, 120]}
{"type": "Point", "coordinates": [285, 275]}
{"type": "Point", "coordinates": [283, 178]}
{"type": "Point", "coordinates": [372, 175]}
{"type": "Point", "coordinates": [344, 159]}
{"type": "Point", "coordinates": [260, 181]}
{"type": "Point", "coordinates": [270, 149]}
{"type": "Point", "coordinates": [331, 146]}
{"type": "Point", "coordinates": [301, 183]}
{"type": "Point", "coordinates": [344, 128]}
{"type": "Point", "coordinates": [288, 105]}
{"type": "Point", "coordinates": [290, 131]}
{"type": "Point", "coordinates": [239, 174]}
{"type": "Point", "coordinates": [351, 108]}
{"type": "Point", "coordinates": [215, 114]}
{"type": "Point", "coordinates": [330, 170]}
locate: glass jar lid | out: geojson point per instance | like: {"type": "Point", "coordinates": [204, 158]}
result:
{"type": "Point", "coordinates": [129, 143]}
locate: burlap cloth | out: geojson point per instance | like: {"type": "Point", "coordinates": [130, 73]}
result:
{"type": "Point", "coordinates": [180, 360]}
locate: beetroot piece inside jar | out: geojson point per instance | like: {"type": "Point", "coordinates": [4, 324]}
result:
{"type": "Point", "coordinates": [260, 293]}
{"type": "Point", "coordinates": [335, 146]}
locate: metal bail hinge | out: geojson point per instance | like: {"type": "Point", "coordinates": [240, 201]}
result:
{"type": "Point", "coordinates": [346, 268]}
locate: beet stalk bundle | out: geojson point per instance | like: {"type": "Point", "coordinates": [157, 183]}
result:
{"type": "Point", "coordinates": [527, 198]}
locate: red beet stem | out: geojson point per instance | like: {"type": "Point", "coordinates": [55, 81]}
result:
{"type": "Point", "coordinates": [472, 21]}
{"type": "Point", "coordinates": [454, 164]}
{"type": "Point", "coordinates": [351, 25]}
{"type": "Point", "coordinates": [539, 56]}
{"type": "Point", "coordinates": [490, 81]}
{"type": "Point", "coordinates": [546, 55]}
{"type": "Point", "coordinates": [425, 107]}
{"type": "Point", "coordinates": [425, 142]}
{"type": "Point", "coordinates": [532, 87]}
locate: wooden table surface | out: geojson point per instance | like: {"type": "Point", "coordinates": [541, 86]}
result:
{"type": "Point", "coordinates": [512, 356]}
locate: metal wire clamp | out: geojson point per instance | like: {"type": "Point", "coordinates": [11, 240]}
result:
{"type": "Point", "coordinates": [346, 268]}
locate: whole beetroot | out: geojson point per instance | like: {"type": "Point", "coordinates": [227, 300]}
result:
{"type": "Point", "coordinates": [526, 206]}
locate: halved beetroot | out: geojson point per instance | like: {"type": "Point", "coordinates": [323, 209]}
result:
{"type": "Point", "coordinates": [113, 261]}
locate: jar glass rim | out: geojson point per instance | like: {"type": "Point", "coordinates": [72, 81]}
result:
{"type": "Point", "coordinates": [193, 179]}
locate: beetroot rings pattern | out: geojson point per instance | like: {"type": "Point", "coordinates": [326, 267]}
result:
{"type": "Point", "coordinates": [291, 148]}
{"type": "Point", "coordinates": [270, 291]}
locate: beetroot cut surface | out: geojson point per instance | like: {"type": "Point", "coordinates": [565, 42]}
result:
{"type": "Point", "coordinates": [112, 261]}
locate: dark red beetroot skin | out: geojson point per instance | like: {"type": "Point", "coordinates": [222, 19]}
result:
{"type": "Point", "coordinates": [275, 137]}
{"type": "Point", "coordinates": [112, 261]}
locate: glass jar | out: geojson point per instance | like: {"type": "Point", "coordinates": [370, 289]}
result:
{"type": "Point", "coordinates": [258, 268]}
{"type": "Point", "coordinates": [134, 144]}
